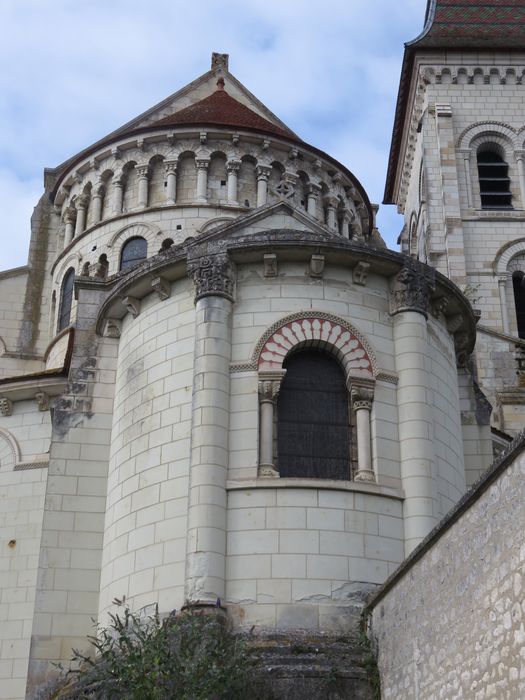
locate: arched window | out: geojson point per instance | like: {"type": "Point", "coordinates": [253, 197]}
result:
{"type": "Point", "coordinates": [518, 284]}
{"type": "Point", "coordinates": [494, 182]}
{"type": "Point", "coordinates": [66, 299]}
{"type": "Point", "coordinates": [313, 434]}
{"type": "Point", "coordinates": [133, 252]}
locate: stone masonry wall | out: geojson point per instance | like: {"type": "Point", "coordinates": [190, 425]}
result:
{"type": "Point", "coordinates": [450, 624]}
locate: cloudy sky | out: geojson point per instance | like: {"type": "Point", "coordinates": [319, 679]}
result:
{"type": "Point", "coordinates": [74, 70]}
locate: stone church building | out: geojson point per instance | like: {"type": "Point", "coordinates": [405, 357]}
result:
{"type": "Point", "coordinates": [218, 387]}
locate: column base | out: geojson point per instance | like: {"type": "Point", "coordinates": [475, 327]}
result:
{"type": "Point", "coordinates": [365, 475]}
{"type": "Point", "coordinates": [267, 471]}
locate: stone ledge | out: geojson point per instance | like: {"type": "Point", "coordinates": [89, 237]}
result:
{"type": "Point", "coordinates": [319, 484]}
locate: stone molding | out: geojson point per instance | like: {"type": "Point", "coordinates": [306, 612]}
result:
{"type": "Point", "coordinates": [411, 288]}
{"type": "Point", "coordinates": [362, 397]}
{"type": "Point", "coordinates": [11, 442]}
{"type": "Point", "coordinates": [212, 275]}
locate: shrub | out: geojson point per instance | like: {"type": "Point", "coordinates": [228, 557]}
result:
{"type": "Point", "coordinates": [189, 656]}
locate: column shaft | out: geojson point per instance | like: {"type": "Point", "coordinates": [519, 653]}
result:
{"type": "Point", "coordinates": [117, 196]}
{"type": "Point", "coordinates": [415, 426]}
{"type": "Point", "coordinates": [171, 184]}
{"type": "Point", "coordinates": [143, 188]}
{"type": "Point", "coordinates": [502, 288]}
{"type": "Point", "coordinates": [206, 543]}
{"type": "Point", "coordinates": [202, 180]}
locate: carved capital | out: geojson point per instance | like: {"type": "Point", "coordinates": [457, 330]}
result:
{"type": "Point", "coordinates": [162, 287]}
{"type": "Point", "coordinates": [233, 166]}
{"type": "Point", "coordinates": [170, 166]}
{"type": "Point", "coordinates": [212, 275]}
{"type": "Point", "coordinates": [82, 202]}
{"type": "Point", "coordinates": [360, 273]}
{"type": "Point", "coordinates": [331, 201]}
{"type": "Point", "coordinates": [362, 398]}
{"type": "Point", "coordinates": [143, 172]}
{"type": "Point", "coordinates": [411, 287]}
{"type": "Point", "coordinates": [264, 172]}
{"type": "Point", "coordinates": [439, 306]}
{"type": "Point", "coordinates": [202, 163]}
{"type": "Point", "coordinates": [270, 385]}
{"type": "Point", "coordinates": [313, 190]}
{"type": "Point", "coordinates": [42, 400]}
{"type": "Point", "coordinates": [366, 475]}
{"type": "Point", "coordinates": [70, 215]}
{"type": "Point", "coordinates": [6, 406]}
{"type": "Point", "coordinates": [112, 328]}
{"type": "Point", "coordinates": [132, 304]}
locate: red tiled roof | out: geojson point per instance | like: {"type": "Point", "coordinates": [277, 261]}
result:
{"type": "Point", "coordinates": [222, 109]}
{"type": "Point", "coordinates": [460, 25]}
{"type": "Point", "coordinates": [474, 24]}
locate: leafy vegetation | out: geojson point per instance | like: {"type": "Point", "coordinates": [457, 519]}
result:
{"type": "Point", "coordinates": [189, 656]}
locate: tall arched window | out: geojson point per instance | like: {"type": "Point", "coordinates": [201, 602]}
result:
{"type": "Point", "coordinates": [494, 182]}
{"type": "Point", "coordinates": [66, 299]}
{"type": "Point", "coordinates": [518, 284]}
{"type": "Point", "coordinates": [313, 433]}
{"type": "Point", "coordinates": [133, 252]}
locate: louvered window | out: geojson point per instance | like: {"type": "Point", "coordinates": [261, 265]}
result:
{"type": "Point", "coordinates": [313, 433]}
{"type": "Point", "coordinates": [494, 182]}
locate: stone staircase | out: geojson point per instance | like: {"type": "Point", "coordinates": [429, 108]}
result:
{"type": "Point", "coordinates": [317, 667]}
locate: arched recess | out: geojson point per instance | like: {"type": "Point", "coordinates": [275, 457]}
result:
{"type": "Point", "coordinates": [9, 450]}
{"type": "Point", "coordinates": [509, 261]}
{"type": "Point", "coordinates": [490, 136]}
{"type": "Point", "coordinates": [149, 232]}
{"type": "Point", "coordinates": [321, 333]}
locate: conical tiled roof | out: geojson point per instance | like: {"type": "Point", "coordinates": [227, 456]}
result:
{"type": "Point", "coordinates": [222, 109]}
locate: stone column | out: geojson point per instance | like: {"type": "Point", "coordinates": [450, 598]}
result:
{"type": "Point", "coordinates": [143, 181]}
{"type": "Point", "coordinates": [331, 207]}
{"type": "Point", "coordinates": [69, 219]}
{"type": "Point", "coordinates": [468, 179]}
{"type": "Point", "coordinates": [81, 204]}
{"type": "Point", "coordinates": [346, 224]}
{"type": "Point", "coordinates": [118, 194]}
{"type": "Point", "coordinates": [96, 199]}
{"type": "Point", "coordinates": [502, 288]}
{"type": "Point", "coordinates": [171, 181]}
{"type": "Point", "coordinates": [410, 294]}
{"type": "Point", "coordinates": [312, 197]}
{"type": "Point", "coordinates": [232, 167]}
{"type": "Point", "coordinates": [362, 398]}
{"type": "Point", "coordinates": [263, 175]}
{"type": "Point", "coordinates": [206, 538]}
{"type": "Point", "coordinates": [269, 385]}
{"type": "Point", "coordinates": [520, 156]}
{"type": "Point", "coordinates": [202, 179]}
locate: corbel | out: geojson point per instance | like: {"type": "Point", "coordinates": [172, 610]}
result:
{"type": "Point", "coordinates": [270, 265]}
{"type": "Point", "coordinates": [132, 304]}
{"type": "Point", "coordinates": [162, 287]}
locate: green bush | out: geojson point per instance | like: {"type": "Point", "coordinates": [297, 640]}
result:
{"type": "Point", "coordinates": [189, 656]}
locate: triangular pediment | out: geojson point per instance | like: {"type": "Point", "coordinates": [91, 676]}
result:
{"type": "Point", "coordinates": [279, 216]}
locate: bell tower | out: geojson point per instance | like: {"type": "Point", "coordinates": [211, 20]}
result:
{"type": "Point", "coordinates": [457, 174]}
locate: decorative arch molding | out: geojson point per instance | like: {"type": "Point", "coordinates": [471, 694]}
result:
{"type": "Point", "coordinates": [505, 255]}
{"type": "Point", "coordinates": [214, 223]}
{"type": "Point", "coordinates": [485, 130]}
{"type": "Point", "coordinates": [142, 229]}
{"type": "Point", "coordinates": [9, 450]}
{"type": "Point", "coordinates": [74, 260]}
{"type": "Point", "coordinates": [316, 329]}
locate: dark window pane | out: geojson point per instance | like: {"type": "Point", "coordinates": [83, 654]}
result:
{"type": "Point", "coordinates": [313, 435]}
{"type": "Point", "coordinates": [66, 299]}
{"type": "Point", "coordinates": [518, 281]}
{"type": "Point", "coordinates": [134, 251]}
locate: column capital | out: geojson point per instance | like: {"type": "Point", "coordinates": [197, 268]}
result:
{"type": "Point", "coordinates": [202, 163]}
{"type": "Point", "coordinates": [411, 287]}
{"type": "Point", "coordinates": [6, 406]}
{"type": "Point", "coordinates": [313, 189]}
{"type": "Point", "coordinates": [233, 166]}
{"type": "Point", "coordinates": [98, 189]}
{"type": "Point", "coordinates": [503, 277]}
{"type": "Point", "coordinates": [170, 166]}
{"type": "Point", "coordinates": [362, 398]}
{"type": "Point", "coordinates": [269, 386]}
{"type": "Point", "coordinates": [331, 201]}
{"type": "Point", "coordinates": [212, 275]}
{"type": "Point", "coordinates": [70, 215]}
{"type": "Point", "coordinates": [143, 171]}
{"type": "Point", "coordinates": [82, 201]}
{"type": "Point", "coordinates": [264, 172]}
